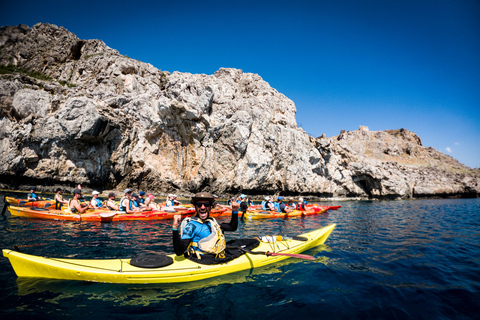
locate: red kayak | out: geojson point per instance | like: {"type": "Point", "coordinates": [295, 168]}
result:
{"type": "Point", "coordinates": [101, 215]}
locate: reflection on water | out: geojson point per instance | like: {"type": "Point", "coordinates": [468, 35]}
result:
{"type": "Point", "coordinates": [385, 259]}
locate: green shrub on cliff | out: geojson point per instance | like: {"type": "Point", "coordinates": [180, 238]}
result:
{"type": "Point", "coordinates": [13, 69]}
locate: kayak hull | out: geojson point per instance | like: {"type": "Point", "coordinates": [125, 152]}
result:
{"type": "Point", "coordinates": [101, 215]}
{"type": "Point", "coordinates": [181, 270]}
{"type": "Point", "coordinates": [24, 202]}
{"type": "Point", "coordinates": [254, 215]}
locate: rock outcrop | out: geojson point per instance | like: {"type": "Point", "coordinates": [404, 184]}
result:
{"type": "Point", "coordinates": [76, 111]}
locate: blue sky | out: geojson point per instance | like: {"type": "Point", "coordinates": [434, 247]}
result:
{"type": "Point", "coordinates": [382, 64]}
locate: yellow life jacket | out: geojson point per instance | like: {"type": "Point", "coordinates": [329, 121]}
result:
{"type": "Point", "coordinates": [214, 243]}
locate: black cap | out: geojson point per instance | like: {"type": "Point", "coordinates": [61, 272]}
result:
{"type": "Point", "coordinates": [77, 191]}
{"type": "Point", "coordinates": [59, 189]}
{"type": "Point", "coordinates": [202, 196]}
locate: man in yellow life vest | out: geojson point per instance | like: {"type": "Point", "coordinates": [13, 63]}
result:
{"type": "Point", "coordinates": [202, 235]}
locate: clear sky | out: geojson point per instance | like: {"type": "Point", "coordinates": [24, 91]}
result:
{"type": "Point", "coordinates": [383, 64]}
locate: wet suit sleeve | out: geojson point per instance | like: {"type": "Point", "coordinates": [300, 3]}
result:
{"type": "Point", "coordinates": [232, 225]}
{"type": "Point", "coordinates": [180, 245]}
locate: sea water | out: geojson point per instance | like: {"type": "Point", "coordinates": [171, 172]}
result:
{"type": "Point", "coordinates": [412, 259]}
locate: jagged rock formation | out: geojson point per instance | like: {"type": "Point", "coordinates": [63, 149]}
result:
{"type": "Point", "coordinates": [76, 111]}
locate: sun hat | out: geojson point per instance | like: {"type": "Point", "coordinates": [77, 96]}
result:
{"type": "Point", "coordinates": [142, 193]}
{"type": "Point", "coordinates": [127, 191]}
{"type": "Point", "coordinates": [151, 196]}
{"type": "Point", "coordinates": [201, 196]}
{"type": "Point", "coordinates": [95, 192]}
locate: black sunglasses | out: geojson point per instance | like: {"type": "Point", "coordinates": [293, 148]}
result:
{"type": "Point", "coordinates": [200, 204]}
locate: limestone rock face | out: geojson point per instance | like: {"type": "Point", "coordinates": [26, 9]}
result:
{"type": "Point", "coordinates": [109, 122]}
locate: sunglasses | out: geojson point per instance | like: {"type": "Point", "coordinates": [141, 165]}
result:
{"type": "Point", "coordinates": [200, 204]}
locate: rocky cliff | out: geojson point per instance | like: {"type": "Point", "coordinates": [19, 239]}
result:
{"type": "Point", "coordinates": [76, 111]}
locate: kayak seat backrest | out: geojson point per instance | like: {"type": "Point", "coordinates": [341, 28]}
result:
{"type": "Point", "coordinates": [151, 261]}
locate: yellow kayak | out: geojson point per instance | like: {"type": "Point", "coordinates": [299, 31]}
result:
{"type": "Point", "coordinates": [254, 215]}
{"type": "Point", "coordinates": [180, 269]}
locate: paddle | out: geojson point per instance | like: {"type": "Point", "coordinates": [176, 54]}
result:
{"type": "Point", "coordinates": [5, 204]}
{"type": "Point", "coordinates": [267, 253]}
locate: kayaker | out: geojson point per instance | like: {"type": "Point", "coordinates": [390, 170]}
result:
{"type": "Point", "coordinates": [169, 202]}
{"type": "Point", "coordinates": [280, 206]}
{"type": "Point", "coordinates": [175, 201]}
{"type": "Point", "coordinates": [59, 201]}
{"type": "Point", "coordinates": [95, 202]}
{"type": "Point", "coordinates": [231, 200]}
{"type": "Point", "coordinates": [126, 203]}
{"type": "Point", "coordinates": [75, 205]}
{"type": "Point", "coordinates": [267, 205]}
{"type": "Point", "coordinates": [301, 205]}
{"type": "Point", "coordinates": [202, 235]}
{"type": "Point", "coordinates": [110, 204]}
{"type": "Point", "coordinates": [291, 203]}
{"type": "Point", "coordinates": [32, 196]}
{"type": "Point", "coordinates": [141, 199]}
{"type": "Point", "coordinates": [241, 198]}
{"type": "Point", "coordinates": [136, 202]}
{"type": "Point", "coordinates": [150, 202]}
{"type": "Point", "coordinates": [243, 205]}
{"type": "Point", "coordinates": [215, 203]}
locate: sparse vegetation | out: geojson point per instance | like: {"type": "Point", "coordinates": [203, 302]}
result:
{"type": "Point", "coordinates": [13, 69]}
{"type": "Point", "coordinates": [70, 85]}
{"type": "Point", "coordinates": [92, 55]}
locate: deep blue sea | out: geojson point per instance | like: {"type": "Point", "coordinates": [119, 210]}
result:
{"type": "Point", "coordinates": [415, 259]}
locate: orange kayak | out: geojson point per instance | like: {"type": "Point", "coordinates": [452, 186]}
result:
{"type": "Point", "coordinates": [25, 202]}
{"type": "Point", "coordinates": [100, 214]}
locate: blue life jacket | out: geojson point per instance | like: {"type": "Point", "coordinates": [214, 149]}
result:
{"type": "Point", "coordinates": [34, 196]}
{"type": "Point", "coordinates": [264, 205]}
{"type": "Point", "coordinates": [99, 203]}
{"type": "Point", "coordinates": [276, 205]}
{"type": "Point", "coordinates": [122, 207]}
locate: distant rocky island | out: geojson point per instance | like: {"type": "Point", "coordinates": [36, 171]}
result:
{"type": "Point", "coordinates": [76, 111]}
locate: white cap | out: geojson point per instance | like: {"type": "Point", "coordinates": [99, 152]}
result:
{"type": "Point", "coordinates": [267, 198]}
{"type": "Point", "coordinates": [95, 192]}
{"type": "Point", "coordinates": [301, 199]}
